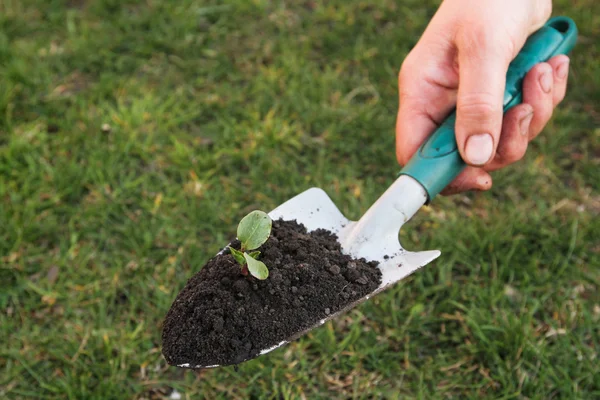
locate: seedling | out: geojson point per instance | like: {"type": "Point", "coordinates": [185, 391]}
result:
{"type": "Point", "coordinates": [254, 229]}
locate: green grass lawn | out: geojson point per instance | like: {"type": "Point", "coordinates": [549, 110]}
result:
{"type": "Point", "coordinates": [135, 134]}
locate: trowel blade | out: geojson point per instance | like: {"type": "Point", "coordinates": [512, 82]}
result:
{"type": "Point", "coordinates": [314, 209]}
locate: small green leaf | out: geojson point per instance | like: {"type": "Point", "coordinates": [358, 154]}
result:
{"type": "Point", "coordinates": [238, 255]}
{"type": "Point", "coordinates": [257, 268]}
{"type": "Point", "coordinates": [254, 254]}
{"type": "Point", "coordinates": [254, 229]}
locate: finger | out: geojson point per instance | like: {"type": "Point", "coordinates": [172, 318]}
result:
{"type": "Point", "coordinates": [471, 178]}
{"type": "Point", "coordinates": [424, 103]}
{"type": "Point", "coordinates": [560, 66]}
{"type": "Point", "coordinates": [513, 138]}
{"type": "Point", "coordinates": [409, 126]}
{"type": "Point", "coordinates": [482, 75]}
{"type": "Point", "coordinates": [538, 92]}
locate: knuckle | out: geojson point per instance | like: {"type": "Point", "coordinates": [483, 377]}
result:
{"type": "Point", "coordinates": [513, 153]}
{"type": "Point", "coordinates": [473, 37]}
{"type": "Point", "coordinates": [478, 39]}
{"type": "Point", "coordinates": [512, 147]}
{"type": "Point", "coordinates": [544, 114]}
{"type": "Point", "coordinates": [406, 72]}
{"type": "Point", "coordinates": [478, 106]}
{"type": "Point", "coordinates": [544, 9]}
{"type": "Point", "coordinates": [559, 96]}
{"type": "Point", "coordinates": [540, 12]}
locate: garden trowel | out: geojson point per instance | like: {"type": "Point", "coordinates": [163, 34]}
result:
{"type": "Point", "coordinates": [437, 162]}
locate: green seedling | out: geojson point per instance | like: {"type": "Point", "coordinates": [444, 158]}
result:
{"type": "Point", "coordinates": [254, 229]}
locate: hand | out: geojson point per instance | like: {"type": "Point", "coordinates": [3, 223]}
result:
{"type": "Point", "coordinates": [461, 61]}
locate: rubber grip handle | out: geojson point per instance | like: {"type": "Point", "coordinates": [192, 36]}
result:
{"type": "Point", "coordinates": [438, 161]}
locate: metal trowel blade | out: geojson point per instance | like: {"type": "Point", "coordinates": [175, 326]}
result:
{"type": "Point", "coordinates": [374, 237]}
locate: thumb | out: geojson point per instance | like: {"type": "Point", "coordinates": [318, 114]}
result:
{"type": "Point", "coordinates": [482, 77]}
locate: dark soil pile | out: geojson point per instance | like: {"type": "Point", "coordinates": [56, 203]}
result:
{"type": "Point", "coordinates": [224, 318]}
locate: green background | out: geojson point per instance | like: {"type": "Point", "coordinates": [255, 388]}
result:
{"type": "Point", "coordinates": [134, 135]}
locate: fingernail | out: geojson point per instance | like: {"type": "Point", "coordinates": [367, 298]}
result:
{"type": "Point", "coordinates": [479, 148]}
{"type": "Point", "coordinates": [546, 81]}
{"type": "Point", "coordinates": [563, 70]}
{"type": "Point", "coordinates": [524, 124]}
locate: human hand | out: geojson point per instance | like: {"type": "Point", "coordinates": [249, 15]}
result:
{"type": "Point", "coordinates": [461, 61]}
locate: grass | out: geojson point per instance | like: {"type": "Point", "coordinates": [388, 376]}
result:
{"type": "Point", "coordinates": [134, 136]}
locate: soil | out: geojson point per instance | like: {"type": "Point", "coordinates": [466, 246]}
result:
{"type": "Point", "coordinates": [224, 318]}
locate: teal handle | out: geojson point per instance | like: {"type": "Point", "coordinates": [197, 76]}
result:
{"type": "Point", "coordinates": [438, 161]}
